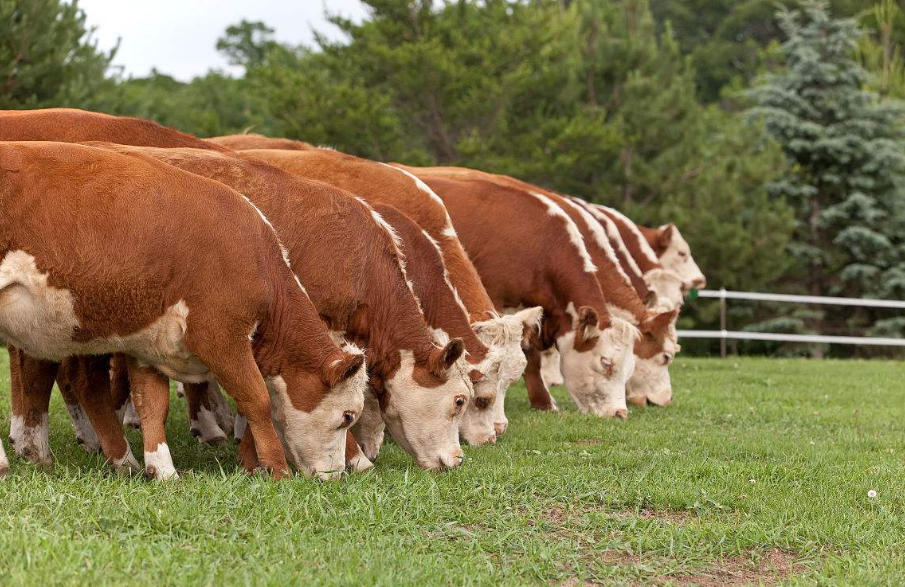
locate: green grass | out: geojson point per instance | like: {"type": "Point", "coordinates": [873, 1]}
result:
{"type": "Point", "coordinates": [755, 455]}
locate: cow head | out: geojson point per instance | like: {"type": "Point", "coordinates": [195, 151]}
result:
{"type": "Point", "coordinates": [369, 429]}
{"type": "Point", "coordinates": [667, 288]}
{"type": "Point", "coordinates": [675, 255]}
{"type": "Point", "coordinates": [654, 352]}
{"type": "Point", "coordinates": [314, 436]}
{"type": "Point", "coordinates": [423, 402]}
{"type": "Point", "coordinates": [505, 364]}
{"type": "Point", "coordinates": [596, 364]}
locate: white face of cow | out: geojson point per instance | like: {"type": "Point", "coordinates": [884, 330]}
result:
{"type": "Point", "coordinates": [597, 364]}
{"type": "Point", "coordinates": [651, 381]}
{"type": "Point", "coordinates": [316, 441]}
{"type": "Point", "coordinates": [677, 258]}
{"type": "Point", "coordinates": [505, 365]}
{"type": "Point", "coordinates": [668, 290]}
{"type": "Point", "coordinates": [425, 420]}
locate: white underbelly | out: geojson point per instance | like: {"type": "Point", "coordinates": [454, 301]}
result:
{"type": "Point", "coordinates": [41, 320]}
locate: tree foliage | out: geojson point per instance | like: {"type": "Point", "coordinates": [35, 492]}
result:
{"type": "Point", "coordinates": [48, 56]}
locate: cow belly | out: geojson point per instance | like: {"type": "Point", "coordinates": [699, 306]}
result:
{"type": "Point", "coordinates": [41, 319]}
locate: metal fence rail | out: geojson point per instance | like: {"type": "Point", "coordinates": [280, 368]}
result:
{"type": "Point", "coordinates": [724, 334]}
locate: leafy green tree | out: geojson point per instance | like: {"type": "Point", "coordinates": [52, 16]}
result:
{"type": "Point", "coordinates": [48, 56]}
{"type": "Point", "coordinates": [846, 151]}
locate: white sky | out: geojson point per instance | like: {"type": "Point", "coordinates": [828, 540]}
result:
{"type": "Point", "coordinates": [179, 37]}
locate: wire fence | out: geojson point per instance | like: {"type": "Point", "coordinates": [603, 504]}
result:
{"type": "Point", "coordinates": [723, 334]}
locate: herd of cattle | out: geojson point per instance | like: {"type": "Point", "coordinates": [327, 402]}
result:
{"type": "Point", "coordinates": [331, 297]}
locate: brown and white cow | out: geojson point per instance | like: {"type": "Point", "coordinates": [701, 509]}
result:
{"type": "Point", "coordinates": [657, 346]}
{"type": "Point", "coordinates": [107, 253]}
{"type": "Point", "coordinates": [529, 252]}
{"type": "Point", "coordinates": [246, 141]}
{"type": "Point", "coordinates": [361, 288]}
{"type": "Point", "coordinates": [658, 248]}
{"type": "Point", "coordinates": [445, 312]}
{"type": "Point", "coordinates": [70, 125]}
{"type": "Point", "coordinates": [382, 184]}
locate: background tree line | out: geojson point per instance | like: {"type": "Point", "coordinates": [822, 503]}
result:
{"type": "Point", "coordinates": [774, 140]}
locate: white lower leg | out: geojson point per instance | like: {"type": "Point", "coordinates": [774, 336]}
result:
{"type": "Point", "coordinates": [127, 463]}
{"type": "Point", "coordinates": [239, 427]}
{"type": "Point", "coordinates": [34, 441]}
{"type": "Point", "coordinates": [159, 463]}
{"type": "Point", "coordinates": [129, 416]}
{"type": "Point", "coordinates": [16, 423]}
{"type": "Point", "coordinates": [206, 428]}
{"type": "Point", "coordinates": [84, 431]}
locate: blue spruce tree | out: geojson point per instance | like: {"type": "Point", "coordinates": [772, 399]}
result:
{"type": "Point", "coordinates": [846, 151]}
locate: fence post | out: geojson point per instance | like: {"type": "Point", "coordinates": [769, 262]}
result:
{"type": "Point", "coordinates": [723, 322]}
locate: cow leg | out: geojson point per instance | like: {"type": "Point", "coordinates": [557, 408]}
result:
{"type": "Point", "coordinates": [248, 454]}
{"type": "Point", "coordinates": [4, 462]}
{"type": "Point", "coordinates": [15, 391]}
{"type": "Point", "coordinates": [202, 421]}
{"type": "Point", "coordinates": [151, 397]}
{"type": "Point", "coordinates": [119, 386]}
{"type": "Point", "coordinates": [538, 394]}
{"type": "Point", "coordinates": [30, 430]}
{"type": "Point", "coordinates": [239, 427]}
{"type": "Point", "coordinates": [92, 390]}
{"type": "Point", "coordinates": [67, 379]}
{"type": "Point", "coordinates": [222, 412]}
{"type": "Point", "coordinates": [355, 458]}
{"type": "Point", "coordinates": [233, 365]}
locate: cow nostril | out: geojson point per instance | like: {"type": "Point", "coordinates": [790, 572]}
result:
{"type": "Point", "coordinates": [500, 428]}
{"type": "Point", "coordinates": [622, 414]}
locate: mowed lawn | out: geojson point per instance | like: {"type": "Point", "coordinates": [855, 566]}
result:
{"type": "Point", "coordinates": [759, 473]}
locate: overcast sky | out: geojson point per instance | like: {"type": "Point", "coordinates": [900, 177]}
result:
{"type": "Point", "coordinates": [179, 37]}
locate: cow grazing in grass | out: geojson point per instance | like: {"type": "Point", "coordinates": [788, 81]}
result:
{"type": "Point", "coordinates": [658, 248]}
{"type": "Point", "coordinates": [70, 125]}
{"type": "Point", "coordinates": [360, 287]}
{"type": "Point", "coordinates": [445, 311]}
{"type": "Point", "coordinates": [383, 184]}
{"type": "Point", "coordinates": [246, 141]}
{"type": "Point", "coordinates": [657, 346]}
{"type": "Point", "coordinates": [537, 256]}
{"type": "Point", "coordinates": [108, 253]}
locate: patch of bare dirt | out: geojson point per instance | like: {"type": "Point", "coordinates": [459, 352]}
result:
{"type": "Point", "coordinates": [588, 442]}
{"type": "Point", "coordinates": [676, 517]}
{"type": "Point", "coordinates": [737, 571]}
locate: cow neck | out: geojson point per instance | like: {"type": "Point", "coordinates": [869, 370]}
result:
{"type": "Point", "coordinates": [440, 303]}
{"type": "Point", "coordinates": [463, 274]}
{"type": "Point", "coordinates": [632, 236]}
{"type": "Point", "coordinates": [389, 320]}
{"type": "Point", "coordinates": [291, 330]}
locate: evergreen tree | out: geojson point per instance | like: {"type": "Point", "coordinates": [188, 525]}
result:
{"type": "Point", "coordinates": [846, 149]}
{"type": "Point", "coordinates": [47, 55]}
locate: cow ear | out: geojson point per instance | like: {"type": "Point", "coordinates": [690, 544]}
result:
{"type": "Point", "coordinates": [586, 324]}
{"type": "Point", "coordinates": [442, 359]}
{"type": "Point", "coordinates": [341, 369]}
{"type": "Point", "coordinates": [667, 231]}
{"type": "Point", "coordinates": [660, 322]}
{"type": "Point", "coordinates": [650, 300]}
{"type": "Point", "coordinates": [531, 322]}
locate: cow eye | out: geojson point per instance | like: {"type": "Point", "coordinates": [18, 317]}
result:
{"type": "Point", "coordinates": [460, 402]}
{"type": "Point", "coordinates": [482, 403]}
{"type": "Point", "coordinates": [348, 418]}
{"type": "Point", "coordinates": [607, 366]}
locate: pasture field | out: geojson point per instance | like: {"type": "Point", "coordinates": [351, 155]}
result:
{"type": "Point", "coordinates": [759, 473]}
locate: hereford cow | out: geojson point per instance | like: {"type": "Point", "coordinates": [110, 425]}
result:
{"type": "Point", "coordinates": [107, 253]}
{"type": "Point", "coordinates": [383, 184]}
{"type": "Point", "coordinates": [655, 350]}
{"type": "Point", "coordinates": [360, 287]}
{"type": "Point", "coordinates": [246, 141]}
{"type": "Point", "coordinates": [70, 125]}
{"type": "Point", "coordinates": [537, 256]}
{"type": "Point", "coordinates": [445, 311]}
{"type": "Point", "coordinates": [658, 248]}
